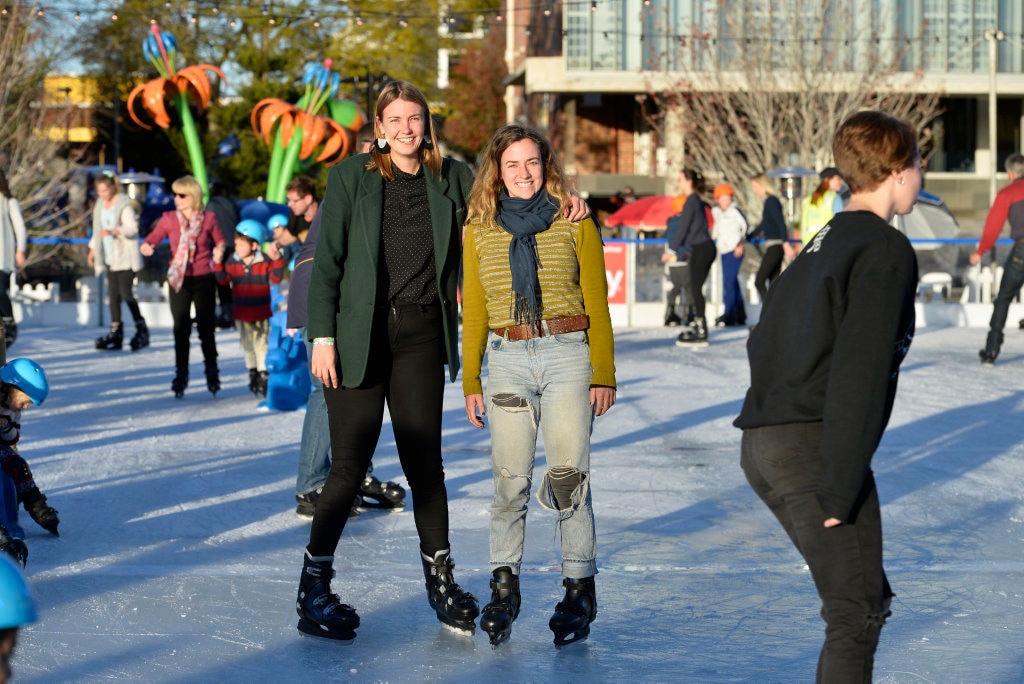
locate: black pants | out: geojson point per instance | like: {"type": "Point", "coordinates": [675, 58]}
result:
{"type": "Point", "coordinates": [783, 466]}
{"type": "Point", "coordinates": [6, 308]}
{"type": "Point", "coordinates": [701, 260]}
{"type": "Point", "coordinates": [200, 291]}
{"type": "Point", "coordinates": [771, 266]}
{"type": "Point", "coordinates": [120, 284]}
{"type": "Point", "coordinates": [406, 372]}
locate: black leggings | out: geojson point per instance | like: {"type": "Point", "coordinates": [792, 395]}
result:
{"type": "Point", "coordinates": [771, 266]}
{"type": "Point", "coordinates": [201, 291]}
{"type": "Point", "coordinates": [120, 284]}
{"type": "Point", "coordinates": [6, 308]}
{"type": "Point", "coordinates": [406, 372]}
{"type": "Point", "coordinates": [701, 260]}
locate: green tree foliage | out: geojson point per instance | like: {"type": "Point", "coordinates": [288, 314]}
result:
{"type": "Point", "coordinates": [475, 97]}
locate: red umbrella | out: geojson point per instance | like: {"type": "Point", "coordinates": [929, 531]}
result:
{"type": "Point", "coordinates": [646, 213]}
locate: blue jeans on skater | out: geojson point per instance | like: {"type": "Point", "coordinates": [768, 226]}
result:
{"type": "Point", "coordinates": [783, 466]}
{"type": "Point", "coordinates": [731, 289]}
{"type": "Point", "coordinates": [1009, 288]}
{"type": "Point", "coordinates": [541, 382]}
{"type": "Point", "coordinates": [315, 447]}
{"type": "Point", "coordinates": [9, 506]}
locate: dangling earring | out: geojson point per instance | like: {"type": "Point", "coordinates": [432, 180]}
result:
{"type": "Point", "coordinates": [427, 143]}
{"type": "Point", "coordinates": [382, 145]}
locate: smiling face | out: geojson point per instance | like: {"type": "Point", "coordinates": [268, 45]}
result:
{"type": "Point", "coordinates": [404, 124]}
{"type": "Point", "coordinates": [522, 170]}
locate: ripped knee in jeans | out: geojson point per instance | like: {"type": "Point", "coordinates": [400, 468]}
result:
{"type": "Point", "coordinates": [563, 488]}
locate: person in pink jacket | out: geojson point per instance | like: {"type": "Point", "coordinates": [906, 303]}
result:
{"type": "Point", "coordinates": [195, 241]}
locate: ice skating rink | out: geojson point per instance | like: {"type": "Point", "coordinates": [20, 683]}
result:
{"type": "Point", "coordinates": [180, 551]}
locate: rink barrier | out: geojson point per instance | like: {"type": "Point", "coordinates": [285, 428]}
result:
{"type": "Point", "coordinates": [636, 291]}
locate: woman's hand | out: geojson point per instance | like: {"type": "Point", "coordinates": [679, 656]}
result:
{"type": "Point", "coordinates": [323, 365]}
{"type": "Point", "coordinates": [602, 399]}
{"type": "Point", "coordinates": [91, 259]}
{"type": "Point", "coordinates": [146, 249]}
{"type": "Point", "coordinates": [738, 251]}
{"type": "Point", "coordinates": [577, 210]}
{"type": "Point", "coordinates": [475, 410]}
{"type": "Point", "coordinates": [19, 258]}
{"type": "Point", "coordinates": [218, 254]}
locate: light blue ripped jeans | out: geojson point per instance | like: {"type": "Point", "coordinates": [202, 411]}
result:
{"type": "Point", "coordinates": [546, 382]}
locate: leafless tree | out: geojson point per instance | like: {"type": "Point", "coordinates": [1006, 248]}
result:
{"type": "Point", "coordinates": [35, 164]}
{"type": "Point", "coordinates": [753, 85]}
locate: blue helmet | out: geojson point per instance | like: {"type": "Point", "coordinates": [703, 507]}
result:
{"type": "Point", "coordinates": [277, 221]}
{"type": "Point", "coordinates": [252, 229]}
{"type": "Point", "coordinates": [16, 605]}
{"type": "Point", "coordinates": [28, 376]}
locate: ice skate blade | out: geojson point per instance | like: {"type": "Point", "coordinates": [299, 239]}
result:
{"type": "Point", "coordinates": [500, 637]}
{"type": "Point", "coordinates": [381, 506]}
{"type": "Point", "coordinates": [572, 637]}
{"type": "Point", "coordinates": [692, 345]}
{"type": "Point", "coordinates": [466, 630]}
{"type": "Point", "coordinates": [313, 629]}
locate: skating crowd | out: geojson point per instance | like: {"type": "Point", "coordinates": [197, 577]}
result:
{"type": "Point", "coordinates": [375, 268]}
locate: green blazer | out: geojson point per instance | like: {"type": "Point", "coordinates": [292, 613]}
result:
{"type": "Point", "coordinates": [343, 284]}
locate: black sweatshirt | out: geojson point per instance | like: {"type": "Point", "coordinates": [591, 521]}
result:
{"type": "Point", "coordinates": [833, 330]}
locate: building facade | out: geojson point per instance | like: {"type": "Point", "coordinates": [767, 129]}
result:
{"type": "Point", "coordinates": [580, 68]}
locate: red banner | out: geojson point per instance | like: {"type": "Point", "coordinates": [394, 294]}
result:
{"type": "Point", "coordinates": [615, 272]}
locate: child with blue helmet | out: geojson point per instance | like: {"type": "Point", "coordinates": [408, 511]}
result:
{"type": "Point", "coordinates": [22, 384]}
{"type": "Point", "coordinates": [17, 609]}
{"type": "Point", "coordinates": [251, 273]}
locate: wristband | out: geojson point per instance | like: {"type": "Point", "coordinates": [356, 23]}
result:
{"type": "Point", "coordinates": [323, 341]}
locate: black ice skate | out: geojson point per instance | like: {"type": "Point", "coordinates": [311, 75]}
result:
{"type": "Point", "coordinates": [113, 340]}
{"type": "Point", "coordinates": [377, 494]}
{"type": "Point", "coordinates": [574, 613]}
{"type": "Point", "coordinates": [498, 615]}
{"type": "Point", "coordinates": [140, 339]}
{"type": "Point", "coordinates": [15, 548]}
{"type": "Point", "coordinates": [45, 517]}
{"type": "Point", "coordinates": [322, 613]}
{"type": "Point", "coordinates": [254, 381]}
{"type": "Point", "coordinates": [455, 608]}
{"type": "Point", "coordinates": [212, 378]}
{"type": "Point", "coordinates": [179, 384]}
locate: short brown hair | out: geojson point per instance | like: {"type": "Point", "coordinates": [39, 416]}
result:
{"type": "Point", "coordinates": [870, 145]}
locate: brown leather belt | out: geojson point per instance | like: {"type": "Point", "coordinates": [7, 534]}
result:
{"type": "Point", "coordinates": [552, 326]}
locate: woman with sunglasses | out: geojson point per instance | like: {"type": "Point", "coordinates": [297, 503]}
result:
{"type": "Point", "coordinates": [195, 240]}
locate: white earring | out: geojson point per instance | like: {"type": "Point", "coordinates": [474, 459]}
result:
{"type": "Point", "coordinates": [901, 181]}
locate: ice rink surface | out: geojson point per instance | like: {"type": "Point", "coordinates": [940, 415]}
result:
{"type": "Point", "coordinates": [180, 550]}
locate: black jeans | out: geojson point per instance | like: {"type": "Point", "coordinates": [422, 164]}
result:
{"type": "Point", "coordinates": [200, 291]}
{"type": "Point", "coordinates": [783, 465]}
{"type": "Point", "coordinates": [1009, 288]}
{"type": "Point", "coordinates": [771, 266]}
{"type": "Point", "coordinates": [701, 259]}
{"type": "Point", "coordinates": [120, 284]}
{"type": "Point", "coordinates": [406, 372]}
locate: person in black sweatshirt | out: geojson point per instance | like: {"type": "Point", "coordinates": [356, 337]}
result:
{"type": "Point", "coordinates": [824, 360]}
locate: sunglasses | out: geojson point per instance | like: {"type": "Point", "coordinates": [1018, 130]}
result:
{"type": "Point", "coordinates": [181, 195]}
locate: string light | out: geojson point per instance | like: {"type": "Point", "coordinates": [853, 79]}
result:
{"type": "Point", "coordinates": [593, 6]}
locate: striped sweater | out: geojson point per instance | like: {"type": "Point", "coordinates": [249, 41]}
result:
{"type": "Point", "coordinates": [250, 285]}
{"type": "Point", "coordinates": [572, 282]}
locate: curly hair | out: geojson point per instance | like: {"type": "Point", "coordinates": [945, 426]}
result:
{"type": "Point", "coordinates": [483, 199]}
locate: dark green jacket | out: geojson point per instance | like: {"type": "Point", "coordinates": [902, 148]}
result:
{"type": "Point", "coordinates": [343, 286]}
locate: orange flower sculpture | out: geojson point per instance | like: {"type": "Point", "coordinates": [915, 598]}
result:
{"type": "Point", "coordinates": [180, 87]}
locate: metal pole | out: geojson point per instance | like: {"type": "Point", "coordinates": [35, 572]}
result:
{"type": "Point", "coordinates": [992, 36]}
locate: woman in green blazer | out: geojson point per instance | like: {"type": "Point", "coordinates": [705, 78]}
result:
{"type": "Point", "coordinates": [383, 318]}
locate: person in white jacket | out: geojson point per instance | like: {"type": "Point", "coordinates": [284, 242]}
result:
{"type": "Point", "coordinates": [114, 250]}
{"type": "Point", "coordinates": [12, 257]}
{"type": "Point", "coordinates": [730, 232]}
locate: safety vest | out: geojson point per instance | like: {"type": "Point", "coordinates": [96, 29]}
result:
{"type": "Point", "coordinates": [813, 217]}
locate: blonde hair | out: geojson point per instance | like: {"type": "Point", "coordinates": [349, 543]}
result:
{"type": "Point", "coordinates": [430, 154]}
{"type": "Point", "coordinates": [483, 198]}
{"type": "Point", "coordinates": [188, 185]}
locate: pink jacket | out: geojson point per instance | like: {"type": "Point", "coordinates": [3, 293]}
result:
{"type": "Point", "coordinates": [202, 262]}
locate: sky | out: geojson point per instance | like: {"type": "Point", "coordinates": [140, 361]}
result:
{"type": "Point", "coordinates": [180, 551]}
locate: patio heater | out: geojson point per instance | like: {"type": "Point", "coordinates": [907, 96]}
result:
{"type": "Point", "coordinates": [791, 187]}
